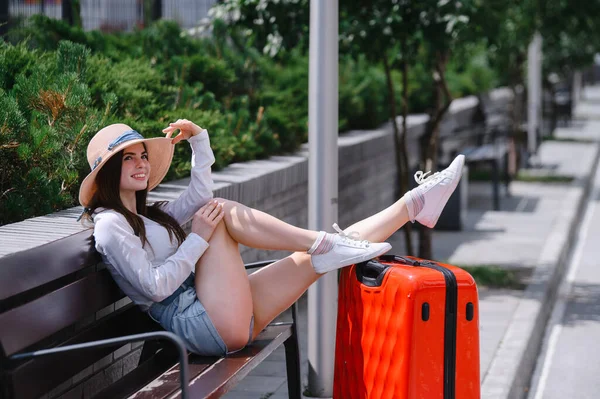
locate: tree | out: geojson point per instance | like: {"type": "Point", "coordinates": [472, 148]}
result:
{"type": "Point", "coordinates": [443, 25]}
{"type": "Point", "coordinates": [272, 26]}
{"type": "Point", "coordinates": [571, 33]}
{"type": "Point", "coordinates": [394, 33]}
{"type": "Point", "coordinates": [509, 31]}
{"type": "Point", "coordinates": [385, 31]}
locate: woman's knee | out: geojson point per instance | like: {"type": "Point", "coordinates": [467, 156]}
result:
{"type": "Point", "coordinates": [225, 202]}
{"type": "Point", "coordinates": [221, 234]}
{"type": "Point", "coordinates": [231, 208]}
{"type": "Point", "coordinates": [235, 335]}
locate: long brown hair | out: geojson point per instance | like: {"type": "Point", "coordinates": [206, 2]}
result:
{"type": "Point", "coordinates": [108, 181]}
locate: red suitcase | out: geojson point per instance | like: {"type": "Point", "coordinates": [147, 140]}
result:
{"type": "Point", "coordinates": [406, 328]}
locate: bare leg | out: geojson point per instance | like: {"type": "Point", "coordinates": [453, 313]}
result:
{"type": "Point", "coordinates": [380, 226]}
{"type": "Point", "coordinates": [275, 287]}
{"type": "Point", "coordinates": [257, 229]}
{"type": "Point", "coordinates": [223, 289]}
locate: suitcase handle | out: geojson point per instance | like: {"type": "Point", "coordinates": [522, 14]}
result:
{"type": "Point", "coordinates": [371, 273]}
{"type": "Point", "coordinates": [406, 261]}
{"type": "Point", "coordinates": [401, 259]}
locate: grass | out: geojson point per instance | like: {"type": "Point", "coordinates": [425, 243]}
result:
{"type": "Point", "coordinates": [568, 139]}
{"type": "Point", "coordinates": [479, 175]}
{"type": "Point", "coordinates": [543, 179]}
{"type": "Point", "coordinates": [485, 175]}
{"type": "Point", "coordinates": [494, 276]}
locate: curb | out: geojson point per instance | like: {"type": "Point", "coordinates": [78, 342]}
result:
{"type": "Point", "coordinates": [512, 367]}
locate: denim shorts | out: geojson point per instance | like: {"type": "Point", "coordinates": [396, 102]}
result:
{"type": "Point", "coordinates": [183, 314]}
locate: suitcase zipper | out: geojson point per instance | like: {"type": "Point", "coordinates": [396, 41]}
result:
{"type": "Point", "coordinates": [450, 319]}
{"type": "Point", "coordinates": [450, 329]}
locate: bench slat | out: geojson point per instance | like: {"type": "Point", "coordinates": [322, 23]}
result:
{"type": "Point", "coordinates": [213, 377]}
{"type": "Point", "coordinates": [30, 323]}
{"type": "Point", "coordinates": [168, 382]}
{"type": "Point", "coordinates": [141, 376]}
{"type": "Point", "coordinates": [26, 270]}
{"type": "Point", "coordinates": [488, 152]}
{"type": "Point", "coordinates": [43, 370]}
{"type": "Point", "coordinates": [224, 375]}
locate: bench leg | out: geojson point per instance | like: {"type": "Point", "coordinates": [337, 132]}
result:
{"type": "Point", "coordinates": [506, 172]}
{"type": "Point", "coordinates": [292, 359]}
{"type": "Point", "coordinates": [149, 349]}
{"type": "Point", "coordinates": [495, 184]}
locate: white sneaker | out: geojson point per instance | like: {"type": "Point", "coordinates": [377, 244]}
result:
{"type": "Point", "coordinates": [348, 249]}
{"type": "Point", "coordinates": [435, 191]}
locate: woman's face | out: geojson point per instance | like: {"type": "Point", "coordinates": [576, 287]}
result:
{"type": "Point", "coordinates": [135, 169]}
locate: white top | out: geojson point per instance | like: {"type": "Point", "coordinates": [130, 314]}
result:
{"type": "Point", "coordinates": [151, 273]}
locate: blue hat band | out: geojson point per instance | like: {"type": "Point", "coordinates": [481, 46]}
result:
{"type": "Point", "coordinates": [123, 138]}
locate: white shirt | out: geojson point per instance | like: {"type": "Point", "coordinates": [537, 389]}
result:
{"type": "Point", "coordinates": [151, 273]}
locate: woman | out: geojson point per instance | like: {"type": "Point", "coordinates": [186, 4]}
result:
{"type": "Point", "coordinates": [196, 285]}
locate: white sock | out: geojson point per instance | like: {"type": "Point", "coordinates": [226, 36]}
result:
{"type": "Point", "coordinates": [415, 201]}
{"type": "Point", "coordinates": [322, 244]}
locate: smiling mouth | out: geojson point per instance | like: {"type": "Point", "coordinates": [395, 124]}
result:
{"type": "Point", "coordinates": [139, 176]}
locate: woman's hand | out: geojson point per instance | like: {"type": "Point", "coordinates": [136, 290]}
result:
{"type": "Point", "coordinates": [186, 128]}
{"type": "Point", "coordinates": [207, 218]}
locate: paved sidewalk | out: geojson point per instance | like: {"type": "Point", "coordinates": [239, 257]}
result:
{"type": "Point", "coordinates": [568, 366]}
{"type": "Point", "coordinates": [528, 234]}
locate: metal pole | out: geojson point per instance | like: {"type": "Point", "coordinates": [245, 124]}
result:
{"type": "Point", "coordinates": [322, 187]}
{"type": "Point", "coordinates": [534, 88]}
{"type": "Point", "coordinates": [531, 115]}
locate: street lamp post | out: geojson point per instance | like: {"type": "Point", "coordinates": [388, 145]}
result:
{"type": "Point", "coordinates": [322, 186]}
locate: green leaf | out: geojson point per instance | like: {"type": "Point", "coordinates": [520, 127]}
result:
{"type": "Point", "coordinates": [72, 58]}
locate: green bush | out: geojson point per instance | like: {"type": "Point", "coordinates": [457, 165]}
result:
{"type": "Point", "coordinates": [46, 122]}
{"type": "Point", "coordinates": [15, 60]}
{"type": "Point", "coordinates": [285, 100]}
{"type": "Point", "coordinates": [139, 87]}
{"type": "Point", "coordinates": [363, 102]}
{"type": "Point", "coordinates": [469, 72]}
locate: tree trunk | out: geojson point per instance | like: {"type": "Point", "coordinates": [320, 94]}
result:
{"type": "Point", "coordinates": [147, 12]}
{"type": "Point", "coordinates": [4, 18]}
{"type": "Point", "coordinates": [152, 11]}
{"type": "Point", "coordinates": [429, 140]}
{"type": "Point", "coordinates": [71, 12]}
{"type": "Point", "coordinates": [427, 162]}
{"type": "Point", "coordinates": [400, 149]}
{"type": "Point", "coordinates": [404, 178]}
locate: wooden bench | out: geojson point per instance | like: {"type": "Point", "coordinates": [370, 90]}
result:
{"type": "Point", "coordinates": [49, 331]}
{"type": "Point", "coordinates": [560, 106]}
{"type": "Point", "coordinates": [486, 141]}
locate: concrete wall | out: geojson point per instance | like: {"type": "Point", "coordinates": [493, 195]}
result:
{"type": "Point", "coordinates": [278, 186]}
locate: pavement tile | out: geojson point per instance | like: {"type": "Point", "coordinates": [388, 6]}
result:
{"type": "Point", "coordinates": [258, 385]}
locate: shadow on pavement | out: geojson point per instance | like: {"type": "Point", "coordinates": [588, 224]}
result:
{"type": "Point", "coordinates": [583, 304]}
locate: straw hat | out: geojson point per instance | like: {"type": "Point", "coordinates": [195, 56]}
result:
{"type": "Point", "coordinates": [112, 139]}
